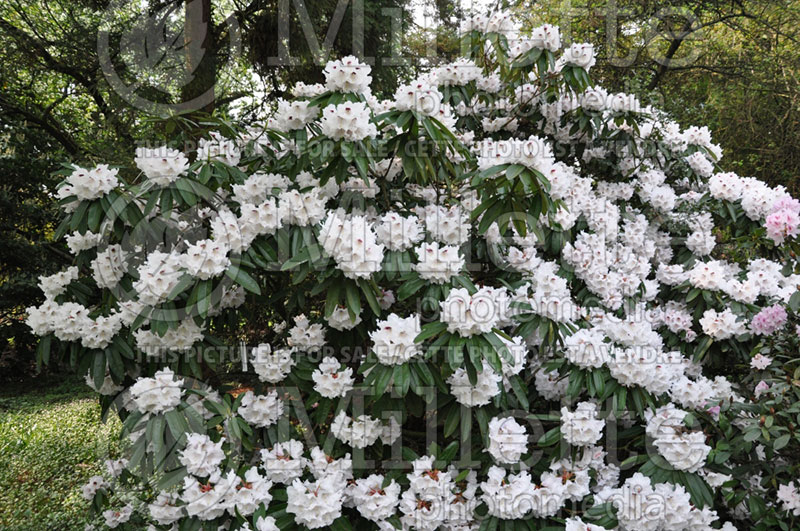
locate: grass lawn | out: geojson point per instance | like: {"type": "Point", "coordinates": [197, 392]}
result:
{"type": "Point", "coordinates": [51, 442]}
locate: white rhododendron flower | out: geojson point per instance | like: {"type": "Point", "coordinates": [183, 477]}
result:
{"type": "Point", "coordinates": [374, 500]}
{"type": "Point", "coordinates": [272, 366]}
{"type": "Point", "coordinates": [202, 456]}
{"type": "Point", "coordinates": [90, 488]}
{"type": "Point", "coordinates": [284, 462]}
{"type": "Point", "coordinates": [348, 121]}
{"type": "Point", "coordinates": [398, 233]}
{"type": "Point", "coordinates": [292, 115]}
{"type": "Point", "coordinates": [181, 338]}
{"type": "Point", "coordinates": [218, 148]}
{"type": "Point", "coordinates": [206, 259]}
{"type": "Point", "coordinates": [393, 342]}
{"type": "Point", "coordinates": [330, 380]}
{"type": "Point", "coordinates": [89, 184]}
{"type": "Point", "coordinates": [161, 165]}
{"type": "Point", "coordinates": [261, 410]}
{"type": "Point", "coordinates": [581, 427]}
{"type": "Point", "coordinates": [418, 96]}
{"type": "Point", "coordinates": [306, 336]}
{"type": "Point", "coordinates": [581, 55]}
{"type": "Point", "coordinates": [158, 394]}
{"type": "Point", "coordinates": [438, 264]}
{"type": "Point", "coordinates": [317, 503]}
{"type": "Point", "coordinates": [469, 315]}
{"type": "Point", "coordinates": [353, 245]}
{"type": "Point", "coordinates": [507, 440]}
{"type": "Point", "coordinates": [78, 242]}
{"type": "Point", "coordinates": [165, 510]}
{"type": "Point", "coordinates": [115, 517]}
{"type": "Point", "coordinates": [109, 266]}
{"type": "Point", "coordinates": [503, 494]}
{"type": "Point", "coordinates": [347, 74]}
{"type": "Point", "coordinates": [340, 319]}
{"type": "Point", "coordinates": [301, 208]}
{"type": "Point", "coordinates": [486, 387]}
{"type": "Point", "coordinates": [683, 448]}
{"type": "Point", "coordinates": [358, 432]}
{"type": "Point", "coordinates": [722, 325]}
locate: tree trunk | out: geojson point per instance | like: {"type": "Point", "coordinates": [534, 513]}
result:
{"type": "Point", "coordinates": [200, 48]}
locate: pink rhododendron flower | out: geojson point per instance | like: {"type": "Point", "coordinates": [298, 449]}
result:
{"type": "Point", "coordinates": [784, 219]}
{"type": "Point", "coordinates": [769, 320]}
{"type": "Point", "coordinates": [760, 362]}
{"type": "Point", "coordinates": [761, 388]}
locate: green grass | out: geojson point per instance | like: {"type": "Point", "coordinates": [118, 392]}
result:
{"type": "Point", "coordinates": [51, 441]}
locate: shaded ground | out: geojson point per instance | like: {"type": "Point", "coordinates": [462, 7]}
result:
{"type": "Point", "coordinates": [51, 441]}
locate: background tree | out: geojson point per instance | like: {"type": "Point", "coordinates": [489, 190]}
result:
{"type": "Point", "coordinates": [729, 64]}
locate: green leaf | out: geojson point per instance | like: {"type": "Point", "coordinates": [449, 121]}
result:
{"type": "Point", "coordinates": [172, 478]}
{"type": "Point", "coordinates": [202, 295]}
{"type": "Point", "coordinates": [241, 277]}
{"type": "Point", "coordinates": [353, 300]}
{"type": "Point", "coordinates": [369, 294]}
{"type": "Point", "coordinates": [186, 191]}
{"type": "Point", "coordinates": [99, 369]}
{"type": "Point", "coordinates": [384, 376]}
{"type": "Point", "coordinates": [184, 282]}
{"type": "Point", "coordinates": [43, 350]}
{"type": "Point", "coordinates": [513, 170]}
{"type": "Point", "coordinates": [551, 437]}
{"type": "Point", "coordinates": [519, 391]}
{"type": "Point", "coordinates": [409, 288]}
{"type": "Point", "coordinates": [177, 423]}
{"type": "Point", "coordinates": [781, 441]}
{"type": "Point", "coordinates": [757, 507]}
{"type": "Point", "coordinates": [95, 215]}
{"type": "Point", "coordinates": [703, 347]}
{"type": "Point", "coordinates": [115, 364]}
{"type": "Point", "coordinates": [452, 420]}
{"type": "Point", "coordinates": [794, 301]}
{"type": "Point", "coordinates": [449, 452]}
{"type": "Point", "coordinates": [752, 435]}
{"type": "Point", "coordinates": [332, 299]}
{"type": "Point", "coordinates": [341, 524]}
{"type": "Point", "coordinates": [698, 489]}
{"type": "Point", "coordinates": [401, 376]}
{"type": "Point", "coordinates": [430, 330]}
{"type": "Point", "coordinates": [155, 435]}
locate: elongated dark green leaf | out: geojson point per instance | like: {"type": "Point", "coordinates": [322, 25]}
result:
{"type": "Point", "coordinates": [369, 295]}
{"type": "Point", "coordinates": [243, 278]}
{"type": "Point", "coordinates": [178, 426]}
{"type": "Point", "coordinates": [332, 298]}
{"type": "Point", "coordinates": [430, 330]}
{"type": "Point", "coordinates": [353, 300]}
{"type": "Point", "coordinates": [172, 478]}
{"type": "Point", "coordinates": [99, 369]}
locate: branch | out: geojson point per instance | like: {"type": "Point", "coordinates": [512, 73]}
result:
{"type": "Point", "coordinates": [680, 37]}
{"type": "Point", "coordinates": [671, 51]}
{"type": "Point", "coordinates": [47, 124]}
{"type": "Point", "coordinates": [40, 51]}
{"type": "Point", "coordinates": [228, 99]}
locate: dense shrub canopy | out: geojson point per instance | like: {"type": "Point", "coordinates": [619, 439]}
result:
{"type": "Point", "coordinates": [504, 296]}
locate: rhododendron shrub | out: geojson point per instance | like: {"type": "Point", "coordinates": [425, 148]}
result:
{"type": "Point", "coordinates": [501, 297]}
